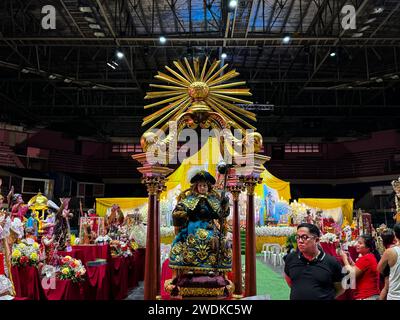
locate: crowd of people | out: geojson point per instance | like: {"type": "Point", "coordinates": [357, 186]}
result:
{"type": "Point", "coordinates": [314, 275]}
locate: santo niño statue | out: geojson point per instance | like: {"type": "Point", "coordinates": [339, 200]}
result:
{"type": "Point", "coordinates": [200, 253]}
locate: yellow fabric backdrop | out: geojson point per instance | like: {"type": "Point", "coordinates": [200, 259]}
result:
{"type": "Point", "coordinates": [102, 204]}
{"type": "Point", "coordinates": [208, 158]}
{"type": "Point", "coordinates": [282, 187]}
{"type": "Point", "coordinates": [345, 204]}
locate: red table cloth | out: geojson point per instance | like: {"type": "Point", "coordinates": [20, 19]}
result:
{"type": "Point", "coordinates": [133, 271]}
{"type": "Point", "coordinates": [64, 290]}
{"type": "Point", "coordinates": [119, 278]}
{"type": "Point", "coordinates": [27, 282]}
{"type": "Point", "coordinates": [166, 274]}
{"type": "Point", "coordinates": [89, 252]}
{"type": "Point", "coordinates": [97, 284]}
{"type": "Point", "coordinates": [140, 255]}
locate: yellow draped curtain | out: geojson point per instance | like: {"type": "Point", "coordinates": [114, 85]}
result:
{"type": "Point", "coordinates": [103, 204]}
{"type": "Point", "coordinates": [208, 158]}
{"type": "Point", "coordinates": [345, 204]}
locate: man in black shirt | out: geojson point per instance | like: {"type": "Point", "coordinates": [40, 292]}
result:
{"type": "Point", "coordinates": [310, 273]}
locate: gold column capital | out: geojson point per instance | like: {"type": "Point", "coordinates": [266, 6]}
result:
{"type": "Point", "coordinates": [250, 183]}
{"type": "Point", "coordinates": [235, 190]}
{"type": "Point", "coordinates": [154, 184]}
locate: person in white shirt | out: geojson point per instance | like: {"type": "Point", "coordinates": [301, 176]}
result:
{"type": "Point", "coordinates": [391, 257]}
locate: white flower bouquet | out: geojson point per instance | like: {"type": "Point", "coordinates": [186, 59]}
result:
{"type": "Point", "coordinates": [103, 239]}
{"type": "Point", "coordinates": [329, 238]}
{"type": "Point", "coordinates": [265, 231]}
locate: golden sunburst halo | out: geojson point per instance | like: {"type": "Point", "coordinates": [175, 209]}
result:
{"type": "Point", "coordinates": [200, 88]}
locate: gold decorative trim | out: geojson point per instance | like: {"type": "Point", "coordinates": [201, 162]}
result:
{"type": "Point", "coordinates": [200, 268]}
{"type": "Point", "coordinates": [201, 292]}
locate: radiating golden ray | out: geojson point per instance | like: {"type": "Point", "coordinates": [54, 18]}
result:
{"type": "Point", "coordinates": [189, 69]}
{"type": "Point", "coordinates": [204, 70]}
{"type": "Point", "coordinates": [228, 85]}
{"type": "Point", "coordinates": [165, 77]}
{"type": "Point", "coordinates": [162, 111]}
{"type": "Point", "coordinates": [218, 109]}
{"type": "Point", "coordinates": [165, 101]}
{"type": "Point", "coordinates": [229, 75]}
{"type": "Point", "coordinates": [211, 70]}
{"type": "Point", "coordinates": [196, 68]}
{"type": "Point", "coordinates": [176, 74]}
{"type": "Point", "coordinates": [226, 110]}
{"type": "Point", "coordinates": [246, 113]}
{"type": "Point", "coordinates": [235, 92]}
{"type": "Point", "coordinates": [167, 87]}
{"type": "Point", "coordinates": [194, 84]}
{"type": "Point", "coordinates": [161, 94]}
{"type": "Point", "coordinates": [182, 69]}
{"type": "Point", "coordinates": [216, 74]}
{"type": "Point", "coordinates": [175, 110]}
{"type": "Point", "coordinates": [224, 97]}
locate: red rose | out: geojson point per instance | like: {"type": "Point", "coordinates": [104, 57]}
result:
{"type": "Point", "coordinates": [72, 264]}
{"type": "Point", "coordinates": [24, 260]}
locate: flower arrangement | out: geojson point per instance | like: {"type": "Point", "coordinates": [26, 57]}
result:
{"type": "Point", "coordinates": [120, 248]}
{"type": "Point", "coordinates": [103, 239]}
{"type": "Point", "coordinates": [25, 253]}
{"type": "Point", "coordinates": [71, 269]}
{"type": "Point", "coordinates": [265, 231]}
{"type": "Point", "coordinates": [329, 238]}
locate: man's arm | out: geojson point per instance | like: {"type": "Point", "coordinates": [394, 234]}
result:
{"type": "Point", "coordinates": [288, 280]}
{"type": "Point", "coordinates": [339, 289]}
{"type": "Point", "coordinates": [384, 261]}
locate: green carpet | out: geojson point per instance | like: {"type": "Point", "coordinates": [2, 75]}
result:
{"type": "Point", "coordinates": [270, 282]}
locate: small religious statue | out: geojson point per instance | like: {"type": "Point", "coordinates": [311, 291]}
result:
{"type": "Point", "coordinates": [18, 206]}
{"type": "Point", "coordinates": [6, 283]}
{"type": "Point", "coordinates": [200, 254]}
{"type": "Point", "coordinates": [62, 231]}
{"type": "Point", "coordinates": [318, 219]}
{"type": "Point", "coordinates": [309, 218]}
{"type": "Point", "coordinates": [114, 220]}
{"type": "Point", "coordinates": [32, 226]}
{"type": "Point", "coordinates": [136, 229]}
{"type": "Point", "coordinates": [396, 188]}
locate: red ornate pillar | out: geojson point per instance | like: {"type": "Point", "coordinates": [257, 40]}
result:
{"type": "Point", "coordinates": [235, 190]}
{"type": "Point", "coordinates": [153, 177]}
{"type": "Point", "coordinates": [161, 187]}
{"type": "Point", "coordinates": [150, 284]}
{"type": "Point", "coordinates": [249, 176]}
{"type": "Point", "coordinates": [251, 277]}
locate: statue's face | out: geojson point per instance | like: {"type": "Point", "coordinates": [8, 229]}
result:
{"type": "Point", "coordinates": [202, 187]}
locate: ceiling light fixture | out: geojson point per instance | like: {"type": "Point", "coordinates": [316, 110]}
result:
{"type": "Point", "coordinates": [111, 66]}
{"type": "Point", "coordinates": [120, 54]}
{"type": "Point", "coordinates": [25, 70]}
{"type": "Point", "coordinates": [94, 26]}
{"type": "Point", "coordinates": [163, 40]}
{"type": "Point", "coordinates": [224, 55]}
{"type": "Point", "coordinates": [364, 28]}
{"type": "Point", "coordinates": [233, 4]}
{"type": "Point", "coordinates": [333, 54]}
{"type": "Point", "coordinates": [99, 34]}
{"type": "Point", "coordinates": [85, 9]}
{"type": "Point", "coordinates": [90, 19]}
{"type": "Point", "coordinates": [286, 39]}
{"type": "Point", "coordinates": [52, 77]}
{"type": "Point", "coordinates": [357, 35]}
{"type": "Point", "coordinates": [377, 10]}
{"type": "Point", "coordinates": [67, 80]}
